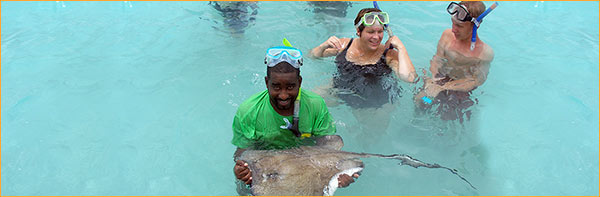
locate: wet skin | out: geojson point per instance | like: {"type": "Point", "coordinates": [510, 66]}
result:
{"type": "Point", "coordinates": [283, 89]}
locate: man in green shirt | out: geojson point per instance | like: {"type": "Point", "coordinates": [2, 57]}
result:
{"type": "Point", "coordinates": [281, 116]}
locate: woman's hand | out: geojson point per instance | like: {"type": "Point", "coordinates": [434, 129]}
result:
{"type": "Point", "coordinates": [332, 42]}
{"type": "Point", "coordinates": [330, 47]}
{"type": "Point", "coordinates": [396, 42]}
{"type": "Point", "coordinates": [242, 172]}
{"type": "Point", "coordinates": [404, 69]}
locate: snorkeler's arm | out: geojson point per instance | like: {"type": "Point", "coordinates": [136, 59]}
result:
{"type": "Point", "coordinates": [437, 60]}
{"type": "Point", "coordinates": [463, 85]}
{"type": "Point", "coordinates": [479, 75]}
{"type": "Point", "coordinates": [330, 47]}
{"type": "Point", "coordinates": [439, 57]}
{"type": "Point", "coordinates": [483, 69]}
{"type": "Point", "coordinates": [400, 62]}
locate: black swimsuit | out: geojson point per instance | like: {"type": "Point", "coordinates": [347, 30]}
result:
{"type": "Point", "coordinates": [364, 86]}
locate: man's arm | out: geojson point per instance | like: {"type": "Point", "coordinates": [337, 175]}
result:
{"type": "Point", "coordinates": [240, 128]}
{"type": "Point", "coordinates": [479, 74]}
{"type": "Point", "coordinates": [438, 59]}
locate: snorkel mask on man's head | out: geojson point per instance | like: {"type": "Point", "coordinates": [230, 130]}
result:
{"type": "Point", "coordinates": [460, 12]}
{"type": "Point", "coordinates": [288, 54]}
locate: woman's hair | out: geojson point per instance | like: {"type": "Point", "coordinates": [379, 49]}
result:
{"type": "Point", "coordinates": [475, 8]}
{"type": "Point", "coordinates": [361, 14]}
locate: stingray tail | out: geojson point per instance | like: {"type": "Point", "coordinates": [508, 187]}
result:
{"type": "Point", "coordinates": [408, 160]}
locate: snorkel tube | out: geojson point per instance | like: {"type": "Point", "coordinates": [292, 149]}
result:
{"type": "Point", "coordinates": [389, 31]}
{"type": "Point", "coordinates": [478, 21]}
{"type": "Point", "coordinates": [296, 118]}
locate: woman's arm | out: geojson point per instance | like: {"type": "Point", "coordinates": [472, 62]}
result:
{"type": "Point", "coordinates": [330, 47]}
{"type": "Point", "coordinates": [400, 62]}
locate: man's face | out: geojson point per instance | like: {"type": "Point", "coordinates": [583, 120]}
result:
{"type": "Point", "coordinates": [283, 89]}
{"type": "Point", "coordinates": [461, 30]}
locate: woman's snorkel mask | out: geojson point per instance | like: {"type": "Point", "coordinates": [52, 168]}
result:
{"type": "Point", "coordinates": [370, 18]}
{"type": "Point", "coordinates": [460, 13]}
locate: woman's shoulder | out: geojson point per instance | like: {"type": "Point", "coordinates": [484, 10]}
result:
{"type": "Point", "coordinates": [345, 42]}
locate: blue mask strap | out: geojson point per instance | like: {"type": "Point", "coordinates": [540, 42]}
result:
{"type": "Point", "coordinates": [478, 21]}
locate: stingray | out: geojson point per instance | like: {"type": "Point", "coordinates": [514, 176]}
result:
{"type": "Point", "coordinates": [313, 170]}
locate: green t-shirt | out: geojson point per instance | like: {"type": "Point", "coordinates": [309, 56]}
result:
{"type": "Point", "coordinates": [256, 124]}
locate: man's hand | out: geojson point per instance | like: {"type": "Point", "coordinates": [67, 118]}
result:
{"type": "Point", "coordinates": [432, 89]}
{"type": "Point", "coordinates": [242, 172]}
{"type": "Point", "coordinates": [344, 180]}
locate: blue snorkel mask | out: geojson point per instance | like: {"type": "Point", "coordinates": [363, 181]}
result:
{"type": "Point", "coordinates": [279, 54]}
{"type": "Point", "coordinates": [460, 13]}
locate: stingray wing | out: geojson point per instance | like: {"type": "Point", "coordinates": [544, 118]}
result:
{"type": "Point", "coordinates": [304, 171]}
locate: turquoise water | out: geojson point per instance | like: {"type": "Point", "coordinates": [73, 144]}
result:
{"type": "Point", "coordinates": [137, 98]}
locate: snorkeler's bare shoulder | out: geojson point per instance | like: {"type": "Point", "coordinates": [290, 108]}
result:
{"type": "Point", "coordinates": [344, 42]}
{"type": "Point", "coordinates": [487, 53]}
{"type": "Point", "coordinates": [447, 34]}
{"type": "Point", "coordinates": [460, 61]}
{"type": "Point", "coordinates": [446, 39]}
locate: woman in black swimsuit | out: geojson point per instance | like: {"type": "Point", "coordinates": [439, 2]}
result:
{"type": "Point", "coordinates": [365, 64]}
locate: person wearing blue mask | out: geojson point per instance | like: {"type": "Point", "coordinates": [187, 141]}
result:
{"type": "Point", "coordinates": [282, 117]}
{"type": "Point", "coordinates": [460, 65]}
